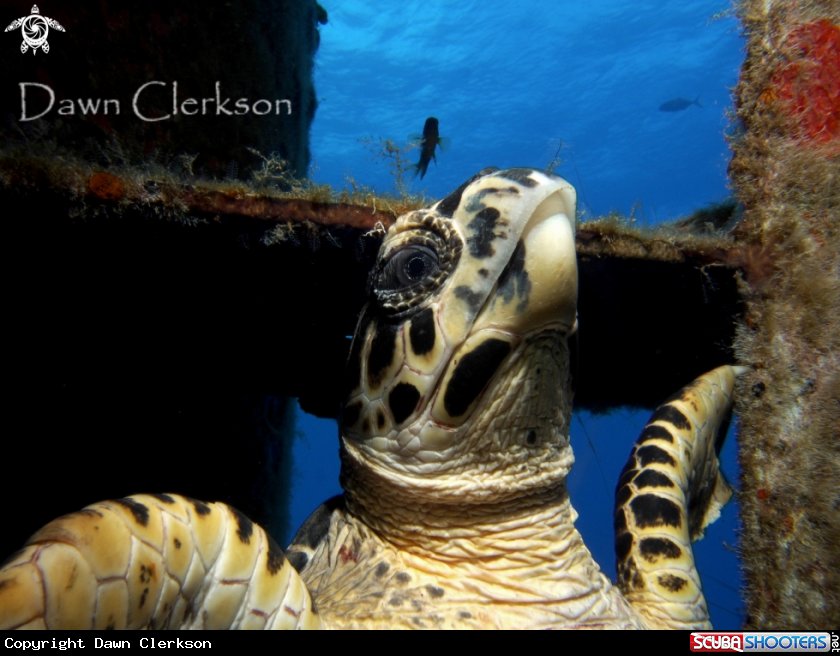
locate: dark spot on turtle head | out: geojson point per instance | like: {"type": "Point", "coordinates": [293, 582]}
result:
{"type": "Point", "coordinates": [472, 373]}
{"type": "Point", "coordinates": [143, 597]}
{"type": "Point", "coordinates": [380, 419]}
{"type": "Point", "coordinates": [652, 549]}
{"type": "Point", "coordinates": [298, 560]}
{"type": "Point", "coordinates": [483, 273]}
{"type": "Point", "coordinates": [652, 478]}
{"type": "Point", "coordinates": [473, 299]}
{"type": "Point", "coordinates": [381, 355]}
{"type": "Point", "coordinates": [381, 570]}
{"type": "Point", "coordinates": [201, 508]}
{"type": "Point", "coordinates": [434, 591]}
{"type": "Point", "coordinates": [164, 498]}
{"type": "Point", "coordinates": [483, 227]}
{"type": "Point", "coordinates": [520, 175]}
{"type": "Point", "coordinates": [245, 527]}
{"type": "Point", "coordinates": [448, 205]}
{"type": "Point", "coordinates": [651, 510]}
{"type": "Point", "coordinates": [140, 511]}
{"type": "Point", "coordinates": [655, 432]}
{"type": "Point", "coordinates": [671, 582]}
{"type": "Point", "coordinates": [623, 544]}
{"type": "Point", "coordinates": [403, 401]}
{"type": "Point", "coordinates": [177, 543]}
{"type": "Point", "coordinates": [397, 599]}
{"type": "Point", "coordinates": [532, 437]}
{"type": "Point", "coordinates": [422, 332]}
{"type": "Point", "coordinates": [350, 414]}
{"type": "Point", "coordinates": [672, 415]}
{"type": "Point", "coordinates": [476, 203]}
{"type": "Point", "coordinates": [515, 280]}
{"type": "Point", "coordinates": [276, 557]}
{"type": "Point", "coordinates": [403, 578]}
{"type": "Point", "coordinates": [465, 614]}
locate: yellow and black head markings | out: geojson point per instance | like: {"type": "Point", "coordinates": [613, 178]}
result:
{"type": "Point", "coordinates": [455, 449]}
{"type": "Point", "coordinates": [450, 300]}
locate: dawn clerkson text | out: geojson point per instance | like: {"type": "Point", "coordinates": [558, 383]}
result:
{"type": "Point", "coordinates": [142, 104]}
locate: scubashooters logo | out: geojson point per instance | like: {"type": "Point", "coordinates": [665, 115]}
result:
{"type": "Point", "coordinates": [744, 641]}
{"type": "Point", "coordinates": [35, 29]}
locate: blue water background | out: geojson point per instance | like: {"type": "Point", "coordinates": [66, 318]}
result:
{"type": "Point", "coordinates": [510, 83]}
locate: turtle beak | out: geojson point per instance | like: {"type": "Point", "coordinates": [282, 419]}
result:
{"type": "Point", "coordinates": [518, 270]}
{"type": "Point", "coordinates": [538, 287]}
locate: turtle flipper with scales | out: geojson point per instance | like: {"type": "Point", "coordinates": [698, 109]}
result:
{"type": "Point", "coordinates": [455, 450]}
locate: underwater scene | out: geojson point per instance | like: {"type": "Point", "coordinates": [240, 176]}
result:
{"type": "Point", "coordinates": [632, 100]}
{"type": "Point", "coordinates": [196, 199]}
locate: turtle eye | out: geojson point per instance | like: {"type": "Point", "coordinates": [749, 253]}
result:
{"type": "Point", "coordinates": [408, 267]}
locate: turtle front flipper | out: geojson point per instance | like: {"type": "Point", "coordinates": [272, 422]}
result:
{"type": "Point", "coordinates": [159, 561]}
{"type": "Point", "coordinates": [669, 491]}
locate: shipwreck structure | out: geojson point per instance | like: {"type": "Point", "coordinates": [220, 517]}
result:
{"type": "Point", "coordinates": [158, 314]}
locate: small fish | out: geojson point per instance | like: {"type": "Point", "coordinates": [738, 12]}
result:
{"type": "Point", "coordinates": [429, 141]}
{"type": "Point", "coordinates": [679, 104]}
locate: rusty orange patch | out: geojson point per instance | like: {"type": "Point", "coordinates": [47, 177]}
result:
{"type": "Point", "coordinates": [106, 186]}
{"type": "Point", "coordinates": [809, 81]}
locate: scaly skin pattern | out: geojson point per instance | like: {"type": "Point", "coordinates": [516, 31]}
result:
{"type": "Point", "coordinates": [670, 489]}
{"type": "Point", "coordinates": [153, 561]}
{"type": "Point", "coordinates": [455, 451]}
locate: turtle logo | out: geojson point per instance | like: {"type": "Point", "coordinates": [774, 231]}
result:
{"type": "Point", "coordinates": [35, 29]}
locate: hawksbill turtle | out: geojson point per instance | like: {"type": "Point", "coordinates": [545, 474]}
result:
{"type": "Point", "coordinates": [454, 449]}
{"type": "Point", "coordinates": [35, 29]}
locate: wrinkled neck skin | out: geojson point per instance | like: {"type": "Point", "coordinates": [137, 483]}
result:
{"type": "Point", "coordinates": [500, 493]}
{"type": "Point", "coordinates": [491, 531]}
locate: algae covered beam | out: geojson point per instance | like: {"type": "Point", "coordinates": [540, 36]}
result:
{"type": "Point", "coordinates": [325, 242]}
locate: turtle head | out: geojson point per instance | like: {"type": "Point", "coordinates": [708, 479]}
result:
{"type": "Point", "coordinates": [459, 364]}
